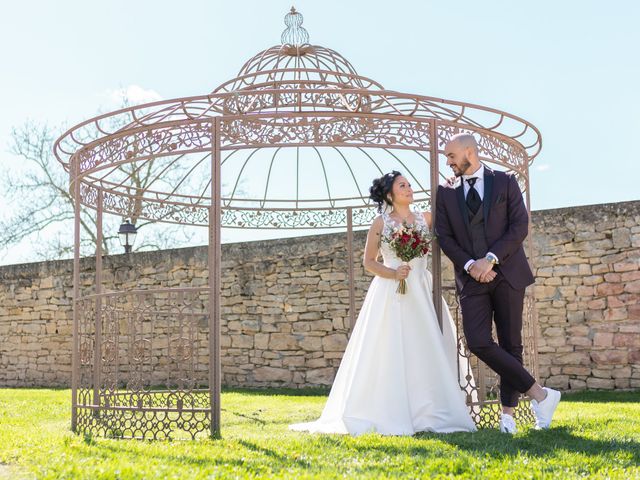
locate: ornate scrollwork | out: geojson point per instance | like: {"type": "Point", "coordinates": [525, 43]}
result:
{"type": "Point", "coordinates": [86, 352]}
{"type": "Point", "coordinates": [141, 350]}
{"type": "Point", "coordinates": [180, 349]}
{"type": "Point", "coordinates": [136, 144]}
{"type": "Point", "coordinates": [150, 339]}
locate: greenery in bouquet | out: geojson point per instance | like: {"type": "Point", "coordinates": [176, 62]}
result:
{"type": "Point", "coordinates": [408, 242]}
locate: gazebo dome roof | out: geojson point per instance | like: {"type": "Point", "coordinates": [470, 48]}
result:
{"type": "Point", "coordinates": [300, 134]}
{"type": "Point", "coordinates": [297, 63]}
{"type": "Point", "coordinates": [297, 66]}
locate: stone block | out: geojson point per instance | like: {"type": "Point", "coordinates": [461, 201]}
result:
{"type": "Point", "coordinates": [621, 237]}
{"type": "Point", "coordinates": [578, 371]}
{"type": "Point", "coordinates": [593, 280]}
{"type": "Point", "coordinates": [605, 289]}
{"type": "Point", "coordinates": [569, 261]}
{"type": "Point", "coordinates": [544, 272]}
{"type": "Point", "coordinates": [309, 343]}
{"type": "Point", "coordinates": [632, 287]}
{"type": "Point", "coordinates": [320, 376]}
{"type": "Point", "coordinates": [261, 341]}
{"type": "Point", "coordinates": [622, 383]}
{"type": "Point", "coordinates": [621, 372]}
{"type": "Point", "coordinates": [626, 340]}
{"type": "Point", "coordinates": [597, 304]}
{"type": "Point", "coordinates": [612, 357]}
{"type": "Point", "coordinates": [575, 317]}
{"type": "Point", "coordinates": [579, 341]}
{"type": "Point", "coordinates": [615, 313]}
{"type": "Point", "coordinates": [626, 266]}
{"type": "Point", "coordinates": [600, 269]}
{"type": "Point", "coordinates": [603, 339]}
{"type": "Point", "coordinates": [293, 361]}
{"type": "Point", "coordinates": [574, 358]}
{"type": "Point", "coordinates": [560, 382]}
{"type": "Point", "coordinates": [566, 271]}
{"type": "Point", "coordinates": [600, 383]}
{"type": "Point", "coordinates": [316, 362]}
{"type": "Point", "coordinates": [586, 291]}
{"type": "Point", "coordinates": [336, 342]}
{"type": "Point", "coordinates": [283, 341]}
{"type": "Point", "coordinates": [577, 385]}
{"type": "Point", "coordinates": [271, 374]}
{"type": "Point", "coordinates": [554, 332]}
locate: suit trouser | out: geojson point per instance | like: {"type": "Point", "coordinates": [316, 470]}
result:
{"type": "Point", "coordinates": [497, 300]}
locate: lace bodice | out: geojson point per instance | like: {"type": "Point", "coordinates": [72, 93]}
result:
{"type": "Point", "coordinates": [389, 224]}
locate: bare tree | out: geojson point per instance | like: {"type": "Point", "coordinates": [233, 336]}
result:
{"type": "Point", "coordinates": [38, 191]}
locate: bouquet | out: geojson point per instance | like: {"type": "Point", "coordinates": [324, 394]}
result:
{"type": "Point", "coordinates": [408, 242]}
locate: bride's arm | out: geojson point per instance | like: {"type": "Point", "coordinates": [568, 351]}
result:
{"type": "Point", "coordinates": [370, 260]}
{"type": "Point", "coordinates": [428, 218]}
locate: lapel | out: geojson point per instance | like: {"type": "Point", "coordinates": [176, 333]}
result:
{"type": "Point", "coordinates": [487, 201]}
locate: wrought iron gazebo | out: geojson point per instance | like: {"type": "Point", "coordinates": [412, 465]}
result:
{"type": "Point", "coordinates": [297, 137]}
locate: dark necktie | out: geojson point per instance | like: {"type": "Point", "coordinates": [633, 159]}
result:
{"type": "Point", "coordinates": [473, 197]}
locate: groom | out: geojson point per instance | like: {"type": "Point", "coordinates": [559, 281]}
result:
{"type": "Point", "coordinates": [481, 222]}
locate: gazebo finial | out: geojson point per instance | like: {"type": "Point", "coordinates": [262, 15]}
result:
{"type": "Point", "coordinates": [294, 34]}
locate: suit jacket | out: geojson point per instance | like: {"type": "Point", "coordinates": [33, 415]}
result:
{"type": "Point", "coordinates": [506, 223]}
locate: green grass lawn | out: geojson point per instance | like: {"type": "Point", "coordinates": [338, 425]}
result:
{"type": "Point", "coordinates": [595, 435]}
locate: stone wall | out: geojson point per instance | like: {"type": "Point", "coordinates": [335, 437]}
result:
{"type": "Point", "coordinates": [588, 295]}
{"type": "Point", "coordinates": [285, 303]}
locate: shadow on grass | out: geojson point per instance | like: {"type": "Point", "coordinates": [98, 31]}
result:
{"type": "Point", "coordinates": [253, 417]}
{"type": "Point", "coordinates": [273, 454]}
{"type": "Point", "coordinates": [122, 451]}
{"type": "Point", "coordinates": [272, 392]}
{"type": "Point", "coordinates": [602, 397]}
{"type": "Point", "coordinates": [538, 443]}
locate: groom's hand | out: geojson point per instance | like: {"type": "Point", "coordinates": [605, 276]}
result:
{"type": "Point", "coordinates": [482, 271]}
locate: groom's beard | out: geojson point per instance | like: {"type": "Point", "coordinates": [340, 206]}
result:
{"type": "Point", "coordinates": [463, 168]}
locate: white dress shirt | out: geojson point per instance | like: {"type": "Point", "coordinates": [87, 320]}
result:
{"type": "Point", "coordinates": [479, 186]}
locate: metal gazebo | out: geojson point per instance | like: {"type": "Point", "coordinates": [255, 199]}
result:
{"type": "Point", "coordinates": [296, 137]}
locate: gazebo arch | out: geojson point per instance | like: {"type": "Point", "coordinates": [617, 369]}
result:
{"type": "Point", "coordinates": [298, 135]}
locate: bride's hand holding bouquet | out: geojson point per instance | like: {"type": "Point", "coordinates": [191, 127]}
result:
{"type": "Point", "coordinates": [408, 242]}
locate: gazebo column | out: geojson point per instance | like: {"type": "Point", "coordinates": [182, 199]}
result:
{"type": "Point", "coordinates": [214, 257]}
{"type": "Point", "coordinates": [75, 360]}
{"type": "Point", "coordinates": [97, 364]}
{"type": "Point", "coordinates": [352, 294]}
{"type": "Point", "coordinates": [530, 305]}
{"type": "Point", "coordinates": [436, 268]}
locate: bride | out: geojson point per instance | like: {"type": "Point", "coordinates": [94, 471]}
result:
{"type": "Point", "coordinates": [399, 372]}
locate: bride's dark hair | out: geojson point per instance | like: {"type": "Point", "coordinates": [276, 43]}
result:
{"type": "Point", "coordinates": [379, 191]}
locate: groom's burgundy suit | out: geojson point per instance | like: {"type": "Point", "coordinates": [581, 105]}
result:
{"type": "Point", "coordinates": [500, 227]}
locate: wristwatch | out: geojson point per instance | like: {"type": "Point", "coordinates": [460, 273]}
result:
{"type": "Point", "coordinates": [491, 258]}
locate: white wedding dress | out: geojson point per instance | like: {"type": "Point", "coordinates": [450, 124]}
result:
{"type": "Point", "coordinates": [399, 373]}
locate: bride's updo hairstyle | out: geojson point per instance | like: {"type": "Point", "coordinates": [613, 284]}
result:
{"type": "Point", "coordinates": [379, 191]}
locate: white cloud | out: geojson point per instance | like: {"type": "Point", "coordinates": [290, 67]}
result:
{"type": "Point", "coordinates": [543, 167]}
{"type": "Point", "coordinates": [133, 94]}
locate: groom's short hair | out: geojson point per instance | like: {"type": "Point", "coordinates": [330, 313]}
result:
{"type": "Point", "coordinates": [465, 140]}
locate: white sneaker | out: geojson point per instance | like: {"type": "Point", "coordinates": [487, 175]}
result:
{"type": "Point", "coordinates": [544, 410]}
{"type": "Point", "coordinates": [508, 424]}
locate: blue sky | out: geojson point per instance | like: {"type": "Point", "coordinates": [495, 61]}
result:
{"type": "Point", "coordinates": [570, 67]}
